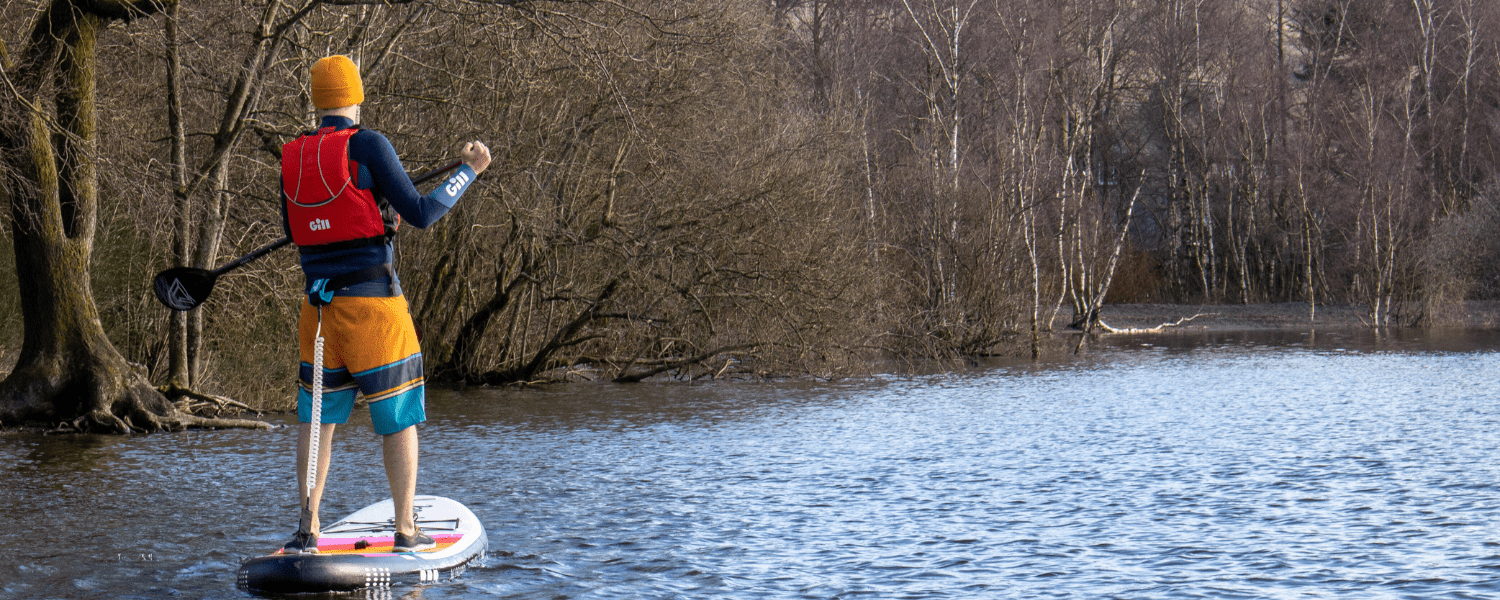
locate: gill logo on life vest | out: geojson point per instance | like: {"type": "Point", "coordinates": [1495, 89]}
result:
{"type": "Point", "coordinates": [319, 224]}
{"type": "Point", "coordinates": [456, 183]}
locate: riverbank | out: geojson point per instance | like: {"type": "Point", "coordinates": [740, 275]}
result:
{"type": "Point", "coordinates": [1167, 318]}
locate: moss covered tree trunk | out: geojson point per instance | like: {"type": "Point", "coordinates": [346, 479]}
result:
{"type": "Point", "coordinates": [67, 371]}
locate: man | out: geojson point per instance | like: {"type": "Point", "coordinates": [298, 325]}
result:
{"type": "Point", "coordinates": [343, 188]}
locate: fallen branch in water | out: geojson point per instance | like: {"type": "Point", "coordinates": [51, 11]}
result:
{"type": "Point", "coordinates": [198, 403]}
{"type": "Point", "coordinates": [1157, 329]}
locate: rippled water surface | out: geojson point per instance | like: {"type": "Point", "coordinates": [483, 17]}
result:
{"type": "Point", "coordinates": [1230, 466]}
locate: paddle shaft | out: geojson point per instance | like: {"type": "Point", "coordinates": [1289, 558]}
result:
{"type": "Point", "coordinates": [251, 257]}
{"type": "Point", "coordinates": [268, 248]}
{"type": "Point", "coordinates": [184, 288]}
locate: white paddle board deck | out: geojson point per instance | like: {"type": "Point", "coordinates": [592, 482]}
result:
{"type": "Point", "coordinates": [356, 552]}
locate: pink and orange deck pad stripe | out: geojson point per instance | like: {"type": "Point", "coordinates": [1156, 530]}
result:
{"type": "Point", "coordinates": [376, 545]}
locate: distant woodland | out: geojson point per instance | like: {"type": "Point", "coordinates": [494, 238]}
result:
{"type": "Point", "coordinates": [733, 189]}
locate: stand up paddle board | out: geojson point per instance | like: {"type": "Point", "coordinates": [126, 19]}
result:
{"type": "Point", "coordinates": [356, 552]}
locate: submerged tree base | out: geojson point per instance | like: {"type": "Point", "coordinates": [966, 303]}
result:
{"type": "Point", "coordinates": [96, 394]}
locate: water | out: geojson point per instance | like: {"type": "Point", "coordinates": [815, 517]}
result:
{"type": "Point", "coordinates": [1230, 466]}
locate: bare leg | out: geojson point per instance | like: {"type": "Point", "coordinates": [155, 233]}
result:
{"type": "Point", "coordinates": [400, 453]}
{"type": "Point", "coordinates": [325, 444]}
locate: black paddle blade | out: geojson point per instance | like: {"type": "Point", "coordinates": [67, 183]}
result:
{"type": "Point", "coordinates": [184, 288]}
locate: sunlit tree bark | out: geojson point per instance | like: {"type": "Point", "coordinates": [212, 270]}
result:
{"type": "Point", "coordinates": [68, 371]}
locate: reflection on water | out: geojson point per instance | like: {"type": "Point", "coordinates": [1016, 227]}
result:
{"type": "Point", "coordinates": [1226, 465]}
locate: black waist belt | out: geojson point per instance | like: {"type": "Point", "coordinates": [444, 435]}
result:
{"type": "Point", "coordinates": [321, 291]}
{"type": "Point", "coordinates": [378, 240]}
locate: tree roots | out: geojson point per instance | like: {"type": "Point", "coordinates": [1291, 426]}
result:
{"type": "Point", "coordinates": [106, 396]}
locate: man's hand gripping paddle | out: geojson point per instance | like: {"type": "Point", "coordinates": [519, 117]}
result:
{"type": "Point", "coordinates": [184, 288]}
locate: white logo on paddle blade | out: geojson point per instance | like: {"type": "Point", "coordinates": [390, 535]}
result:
{"type": "Point", "coordinates": [177, 296]}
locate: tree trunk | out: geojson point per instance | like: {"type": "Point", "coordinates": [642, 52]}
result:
{"type": "Point", "coordinates": [67, 371]}
{"type": "Point", "coordinates": [179, 375]}
{"type": "Point", "coordinates": [199, 227]}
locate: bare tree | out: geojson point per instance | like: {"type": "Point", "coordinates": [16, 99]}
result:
{"type": "Point", "coordinates": [199, 225]}
{"type": "Point", "coordinates": [67, 371]}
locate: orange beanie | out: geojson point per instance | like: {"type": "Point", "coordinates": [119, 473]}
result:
{"type": "Point", "coordinates": [335, 83]}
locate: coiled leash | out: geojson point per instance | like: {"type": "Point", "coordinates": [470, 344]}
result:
{"type": "Point", "coordinates": [315, 427]}
{"type": "Point", "coordinates": [320, 295]}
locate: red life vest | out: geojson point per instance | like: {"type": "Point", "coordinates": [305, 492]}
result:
{"type": "Point", "coordinates": [324, 206]}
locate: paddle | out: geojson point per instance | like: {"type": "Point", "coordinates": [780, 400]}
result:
{"type": "Point", "coordinates": [184, 288]}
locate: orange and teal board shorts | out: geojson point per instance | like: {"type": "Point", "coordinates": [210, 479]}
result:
{"type": "Point", "coordinates": [369, 346]}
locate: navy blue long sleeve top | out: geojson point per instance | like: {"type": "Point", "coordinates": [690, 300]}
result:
{"type": "Point", "coordinates": [380, 169]}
